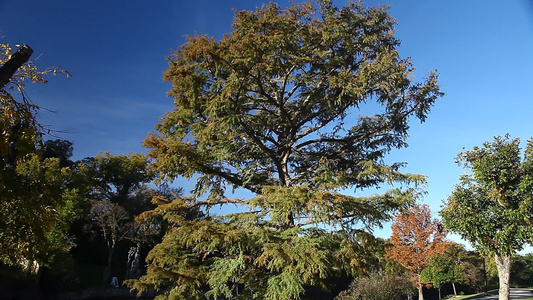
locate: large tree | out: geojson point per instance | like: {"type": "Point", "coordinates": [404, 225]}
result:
{"type": "Point", "coordinates": [35, 199]}
{"type": "Point", "coordinates": [293, 106]}
{"type": "Point", "coordinates": [491, 206]}
{"type": "Point", "coordinates": [416, 237]}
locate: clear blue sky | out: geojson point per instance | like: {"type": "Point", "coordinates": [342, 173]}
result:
{"type": "Point", "coordinates": [116, 52]}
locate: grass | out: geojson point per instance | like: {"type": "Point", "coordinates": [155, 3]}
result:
{"type": "Point", "coordinates": [465, 297]}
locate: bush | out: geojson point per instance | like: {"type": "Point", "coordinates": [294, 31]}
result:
{"type": "Point", "coordinates": [378, 286]}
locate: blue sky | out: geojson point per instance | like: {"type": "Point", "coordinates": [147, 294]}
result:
{"type": "Point", "coordinates": [116, 52]}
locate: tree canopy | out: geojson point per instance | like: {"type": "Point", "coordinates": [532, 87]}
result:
{"type": "Point", "coordinates": [117, 186]}
{"type": "Point", "coordinates": [294, 106]}
{"type": "Point", "coordinates": [416, 237]}
{"type": "Point", "coordinates": [491, 206]}
{"type": "Point", "coordinates": [35, 200]}
{"type": "Point", "coordinates": [441, 269]}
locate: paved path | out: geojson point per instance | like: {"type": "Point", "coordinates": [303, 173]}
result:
{"type": "Point", "coordinates": [515, 294]}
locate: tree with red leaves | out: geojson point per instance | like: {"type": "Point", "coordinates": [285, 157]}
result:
{"type": "Point", "coordinates": [416, 236]}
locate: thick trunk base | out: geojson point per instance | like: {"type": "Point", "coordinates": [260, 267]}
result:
{"type": "Point", "coordinates": [503, 264]}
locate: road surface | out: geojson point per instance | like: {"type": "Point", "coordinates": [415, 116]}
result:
{"type": "Point", "coordinates": [515, 294]}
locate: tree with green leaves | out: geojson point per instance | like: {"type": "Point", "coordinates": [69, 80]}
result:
{"type": "Point", "coordinates": [117, 186]}
{"type": "Point", "coordinates": [36, 202]}
{"type": "Point", "coordinates": [60, 149]}
{"type": "Point", "coordinates": [441, 269]}
{"type": "Point", "coordinates": [293, 106]}
{"type": "Point", "coordinates": [492, 205]}
{"type": "Point", "coordinates": [117, 178]}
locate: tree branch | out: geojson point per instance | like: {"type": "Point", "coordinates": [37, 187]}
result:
{"type": "Point", "coordinates": [14, 63]}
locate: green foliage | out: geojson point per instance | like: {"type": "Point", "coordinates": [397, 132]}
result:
{"type": "Point", "coordinates": [36, 200]}
{"type": "Point", "coordinates": [522, 271]}
{"type": "Point", "coordinates": [441, 269]}
{"type": "Point", "coordinates": [116, 178]}
{"type": "Point", "coordinates": [492, 206]}
{"type": "Point", "coordinates": [276, 108]}
{"type": "Point", "coordinates": [471, 268]}
{"type": "Point", "coordinates": [116, 186]}
{"type": "Point", "coordinates": [36, 211]}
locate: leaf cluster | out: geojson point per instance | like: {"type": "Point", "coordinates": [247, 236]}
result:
{"type": "Point", "coordinates": [416, 237]}
{"type": "Point", "coordinates": [37, 209]}
{"type": "Point", "coordinates": [491, 207]}
{"type": "Point", "coordinates": [36, 200]}
{"type": "Point", "coordinates": [276, 102]}
{"type": "Point", "coordinates": [441, 269]}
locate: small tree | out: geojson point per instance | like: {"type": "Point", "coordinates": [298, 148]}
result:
{"type": "Point", "coordinates": [491, 207]}
{"type": "Point", "coordinates": [110, 219]}
{"type": "Point", "coordinates": [416, 236]}
{"type": "Point", "coordinates": [441, 269]}
{"type": "Point", "coordinates": [117, 187]}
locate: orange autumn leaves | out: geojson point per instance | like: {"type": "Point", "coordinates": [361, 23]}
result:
{"type": "Point", "coordinates": [416, 236]}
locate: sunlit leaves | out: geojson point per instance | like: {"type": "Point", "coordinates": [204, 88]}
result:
{"type": "Point", "coordinates": [36, 202]}
{"type": "Point", "coordinates": [416, 237]}
{"type": "Point", "coordinates": [491, 206]}
{"type": "Point", "coordinates": [37, 208]}
{"type": "Point", "coordinates": [270, 91]}
{"type": "Point", "coordinates": [441, 269]}
{"type": "Point", "coordinates": [294, 106]}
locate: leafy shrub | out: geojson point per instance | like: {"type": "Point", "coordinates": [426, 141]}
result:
{"type": "Point", "coordinates": [378, 286]}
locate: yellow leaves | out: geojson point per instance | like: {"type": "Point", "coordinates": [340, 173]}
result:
{"type": "Point", "coordinates": [196, 48]}
{"type": "Point", "coordinates": [497, 195]}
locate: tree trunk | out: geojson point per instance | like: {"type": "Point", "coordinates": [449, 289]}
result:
{"type": "Point", "coordinates": [132, 271]}
{"type": "Point", "coordinates": [503, 264]}
{"type": "Point", "coordinates": [33, 269]}
{"type": "Point", "coordinates": [107, 270]}
{"type": "Point", "coordinates": [440, 295]}
{"type": "Point", "coordinates": [485, 284]}
{"type": "Point", "coordinates": [420, 291]}
{"type": "Point", "coordinates": [38, 274]}
{"type": "Point", "coordinates": [454, 290]}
